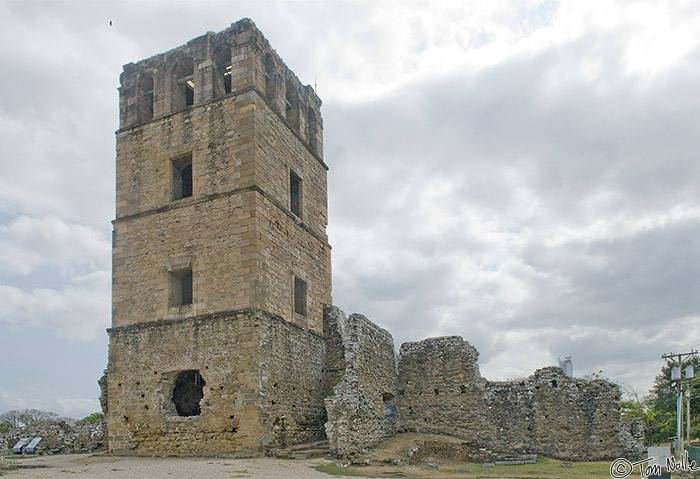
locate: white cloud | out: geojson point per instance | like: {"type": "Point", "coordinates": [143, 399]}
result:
{"type": "Point", "coordinates": [77, 312]}
{"type": "Point", "coordinates": [515, 172]}
{"type": "Point", "coordinates": [28, 243]}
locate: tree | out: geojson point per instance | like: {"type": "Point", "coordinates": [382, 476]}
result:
{"type": "Point", "coordinates": [653, 420]}
{"type": "Point", "coordinates": [664, 394]}
{"type": "Point", "coordinates": [25, 418]}
{"type": "Point", "coordinates": [94, 417]}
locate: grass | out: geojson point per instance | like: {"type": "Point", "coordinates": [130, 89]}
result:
{"type": "Point", "coordinates": [335, 470]}
{"type": "Point", "coordinates": [545, 468]}
{"type": "Point", "coordinates": [397, 447]}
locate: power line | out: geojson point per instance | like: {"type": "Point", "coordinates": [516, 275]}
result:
{"type": "Point", "coordinates": [691, 344]}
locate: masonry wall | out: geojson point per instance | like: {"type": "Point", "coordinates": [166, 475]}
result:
{"type": "Point", "coordinates": [362, 369]}
{"type": "Point", "coordinates": [549, 413]}
{"type": "Point", "coordinates": [553, 414]}
{"type": "Point", "coordinates": [60, 436]}
{"type": "Point", "coordinates": [238, 231]}
{"type": "Point", "coordinates": [257, 368]}
{"type": "Point", "coordinates": [441, 390]}
{"type": "Point", "coordinates": [293, 383]}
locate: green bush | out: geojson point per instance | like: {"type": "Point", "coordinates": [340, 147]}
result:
{"type": "Point", "coordinates": [94, 417]}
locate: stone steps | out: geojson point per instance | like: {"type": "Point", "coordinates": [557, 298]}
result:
{"type": "Point", "coordinates": [516, 460]}
{"type": "Point", "coordinates": [307, 450]}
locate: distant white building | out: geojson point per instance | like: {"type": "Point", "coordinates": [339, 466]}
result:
{"type": "Point", "coordinates": [568, 366]}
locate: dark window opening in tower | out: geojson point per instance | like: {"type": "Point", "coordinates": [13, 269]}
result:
{"type": "Point", "coordinates": [227, 79]}
{"type": "Point", "coordinates": [311, 128]}
{"type": "Point", "coordinates": [181, 287]}
{"type": "Point", "coordinates": [145, 100]}
{"type": "Point", "coordinates": [295, 193]}
{"type": "Point", "coordinates": [270, 90]}
{"type": "Point", "coordinates": [299, 296]}
{"type": "Point", "coordinates": [183, 90]}
{"type": "Point", "coordinates": [188, 392]}
{"type": "Point", "coordinates": [182, 178]}
{"type": "Point", "coordinates": [186, 288]}
{"type": "Point", "coordinates": [222, 59]}
{"type": "Point", "coordinates": [292, 108]}
{"type": "Point", "coordinates": [189, 93]}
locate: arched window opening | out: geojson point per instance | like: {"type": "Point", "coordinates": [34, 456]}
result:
{"type": "Point", "coordinates": [188, 392]}
{"type": "Point", "coordinates": [269, 77]}
{"type": "Point", "coordinates": [183, 94]}
{"type": "Point", "coordinates": [311, 128]}
{"type": "Point", "coordinates": [292, 107]}
{"type": "Point", "coordinates": [145, 98]}
{"type": "Point", "coordinates": [222, 57]}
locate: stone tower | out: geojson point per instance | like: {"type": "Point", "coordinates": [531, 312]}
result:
{"type": "Point", "coordinates": [221, 262]}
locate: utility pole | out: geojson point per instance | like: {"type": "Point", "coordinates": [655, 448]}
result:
{"type": "Point", "coordinates": [687, 412]}
{"type": "Point", "coordinates": [676, 375]}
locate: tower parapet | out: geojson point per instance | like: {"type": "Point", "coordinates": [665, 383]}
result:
{"type": "Point", "coordinates": [213, 66]}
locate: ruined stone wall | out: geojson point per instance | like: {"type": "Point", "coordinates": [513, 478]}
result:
{"type": "Point", "coordinates": [441, 390]}
{"type": "Point", "coordinates": [553, 414]}
{"type": "Point", "coordinates": [256, 368]}
{"type": "Point", "coordinates": [293, 384]}
{"type": "Point", "coordinates": [61, 436]}
{"type": "Point", "coordinates": [549, 413]}
{"type": "Point", "coordinates": [362, 406]}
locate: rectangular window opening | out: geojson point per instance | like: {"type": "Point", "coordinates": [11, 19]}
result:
{"type": "Point", "coordinates": [299, 296]}
{"type": "Point", "coordinates": [182, 177]}
{"type": "Point", "coordinates": [181, 287]}
{"type": "Point", "coordinates": [295, 193]}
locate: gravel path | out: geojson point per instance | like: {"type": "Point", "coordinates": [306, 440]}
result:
{"type": "Point", "coordinates": [113, 467]}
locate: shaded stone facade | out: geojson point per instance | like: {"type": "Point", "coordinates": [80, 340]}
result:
{"type": "Point", "coordinates": [362, 366]}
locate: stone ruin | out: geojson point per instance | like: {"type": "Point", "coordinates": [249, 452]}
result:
{"type": "Point", "coordinates": [434, 387]}
{"type": "Point", "coordinates": [222, 342]}
{"type": "Point", "coordinates": [60, 436]}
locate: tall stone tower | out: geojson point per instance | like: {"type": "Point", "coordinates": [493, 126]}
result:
{"type": "Point", "coordinates": [221, 262]}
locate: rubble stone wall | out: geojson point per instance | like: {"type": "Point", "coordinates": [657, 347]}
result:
{"type": "Point", "coordinates": [441, 390]}
{"type": "Point", "coordinates": [263, 385]}
{"type": "Point", "coordinates": [548, 413]}
{"type": "Point", "coordinates": [293, 383]}
{"type": "Point", "coordinates": [362, 407]}
{"type": "Point", "coordinates": [61, 436]}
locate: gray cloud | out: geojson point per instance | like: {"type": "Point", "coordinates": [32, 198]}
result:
{"type": "Point", "coordinates": [521, 176]}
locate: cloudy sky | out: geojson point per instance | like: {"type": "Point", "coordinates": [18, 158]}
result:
{"type": "Point", "coordinates": [520, 173]}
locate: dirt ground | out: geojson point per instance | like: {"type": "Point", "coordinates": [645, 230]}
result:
{"type": "Point", "coordinates": [102, 466]}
